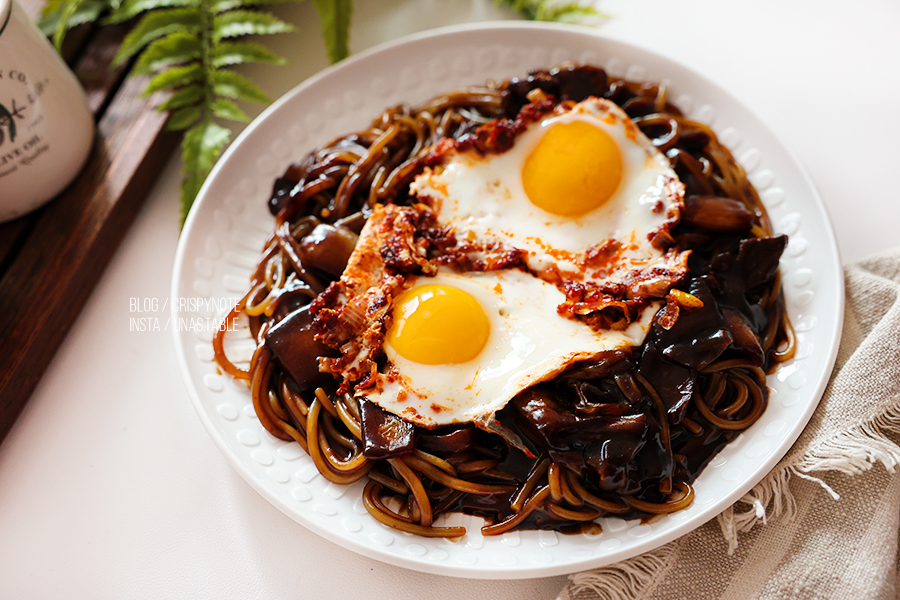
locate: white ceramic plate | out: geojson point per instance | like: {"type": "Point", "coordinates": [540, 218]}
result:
{"type": "Point", "coordinates": [229, 224]}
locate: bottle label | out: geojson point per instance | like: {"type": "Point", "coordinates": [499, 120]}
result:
{"type": "Point", "coordinates": [21, 143]}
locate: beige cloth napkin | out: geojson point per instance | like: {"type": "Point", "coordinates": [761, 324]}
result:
{"type": "Point", "coordinates": [824, 523]}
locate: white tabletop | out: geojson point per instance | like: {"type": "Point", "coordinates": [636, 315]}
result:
{"type": "Point", "coordinates": [111, 488]}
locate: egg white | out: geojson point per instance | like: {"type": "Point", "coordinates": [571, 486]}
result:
{"type": "Point", "coordinates": [528, 343]}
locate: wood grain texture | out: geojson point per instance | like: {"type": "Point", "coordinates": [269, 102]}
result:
{"type": "Point", "coordinates": [94, 70]}
{"type": "Point", "coordinates": [11, 235]}
{"type": "Point", "coordinates": [52, 259]}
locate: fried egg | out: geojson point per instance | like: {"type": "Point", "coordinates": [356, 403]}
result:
{"type": "Point", "coordinates": [463, 344]}
{"type": "Point", "coordinates": [572, 180]}
{"type": "Point", "coordinates": [460, 345]}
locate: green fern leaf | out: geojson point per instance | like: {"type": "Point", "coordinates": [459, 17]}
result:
{"type": "Point", "coordinates": [568, 13]}
{"type": "Point", "coordinates": [176, 48]}
{"type": "Point", "coordinates": [87, 11]}
{"type": "Point", "coordinates": [58, 16]}
{"type": "Point", "coordinates": [220, 6]}
{"type": "Point", "coordinates": [233, 85]}
{"type": "Point", "coordinates": [129, 9]}
{"type": "Point", "coordinates": [68, 11]}
{"type": "Point", "coordinates": [190, 95]}
{"type": "Point", "coordinates": [156, 24]}
{"type": "Point", "coordinates": [551, 10]}
{"type": "Point", "coordinates": [52, 7]}
{"type": "Point", "coordinates": [235, 53]}
{"type": "Point", "coordinates": [335, 16]}
{"type": "Point", "coordinates": [181, 41]}
{"type": "Point", "coordinates": [201, 147]}
{"type": "Point", "coordinates": [244, 22]}
{"type": "Point", "coordinates": [226, 109]}
{"type": "Point", "coordinates": [184, 117]}
{"type": "Point", "coordinates": [175, 77]}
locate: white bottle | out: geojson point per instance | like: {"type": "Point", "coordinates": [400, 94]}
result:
{"type": "Point", "coordinates": [46, 127]}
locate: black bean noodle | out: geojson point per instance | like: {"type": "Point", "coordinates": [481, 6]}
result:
{"type": "Point", "coordinates": [624, 435]}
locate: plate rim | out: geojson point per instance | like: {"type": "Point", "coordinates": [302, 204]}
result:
{"type": "Point", "coordinates": [464, 571]}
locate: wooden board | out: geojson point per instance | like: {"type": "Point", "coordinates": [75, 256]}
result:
{"type": "Point", "coordinates": [50, 260]}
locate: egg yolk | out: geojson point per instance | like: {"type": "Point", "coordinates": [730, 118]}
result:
{"type": "Point", "coordinates": [437, 324]}
{"type": "Point", "coordinates": [575, 168]}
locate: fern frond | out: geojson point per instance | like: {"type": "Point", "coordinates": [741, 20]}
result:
{"type": "Point", "coordinates": [156, 24]}
{"type": "Point", "coordinates": [235, 85]}
{"type": "Point", "coordinates": [184, 117]}
{"type": "Point", "coordinates": [175, 77]}
{"type": "Point", "coordinates": [65, 17]}
{"type": "Point", "coordinates": [236, 53]}
{"type": "Point", "coordinates": [58, 16]}
{"type": "Point", "coordinates": [129, 9]}
{"type": "Point", "coordinates": [568, 13]}
{"type": "Point", "coordinates": [188, 46]}
{"type": "Point", "coordinates": [200, 149]}
{"type": "Point", "coordinates": [335, 16]}
{"type": "Point", "coordinates": [236, 23]}
{"type": "Point", "coordinates": [226, 109]}
{"type": "Point", "coordinates": [51, 7]}
{"type": "Point", "coordinates": [551, 10]}
{"type": "Point", "coordinates": [220, 6]}
{"type": "Point", "coordinates": [189, 95]}
{"type": "Point", "coordinates": [175, 48]}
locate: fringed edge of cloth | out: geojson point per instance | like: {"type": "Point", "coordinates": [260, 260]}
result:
{"type": "Point", "coordinates": [622, 580]}
{"type": "Point", "coordinates": [852, 452]}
